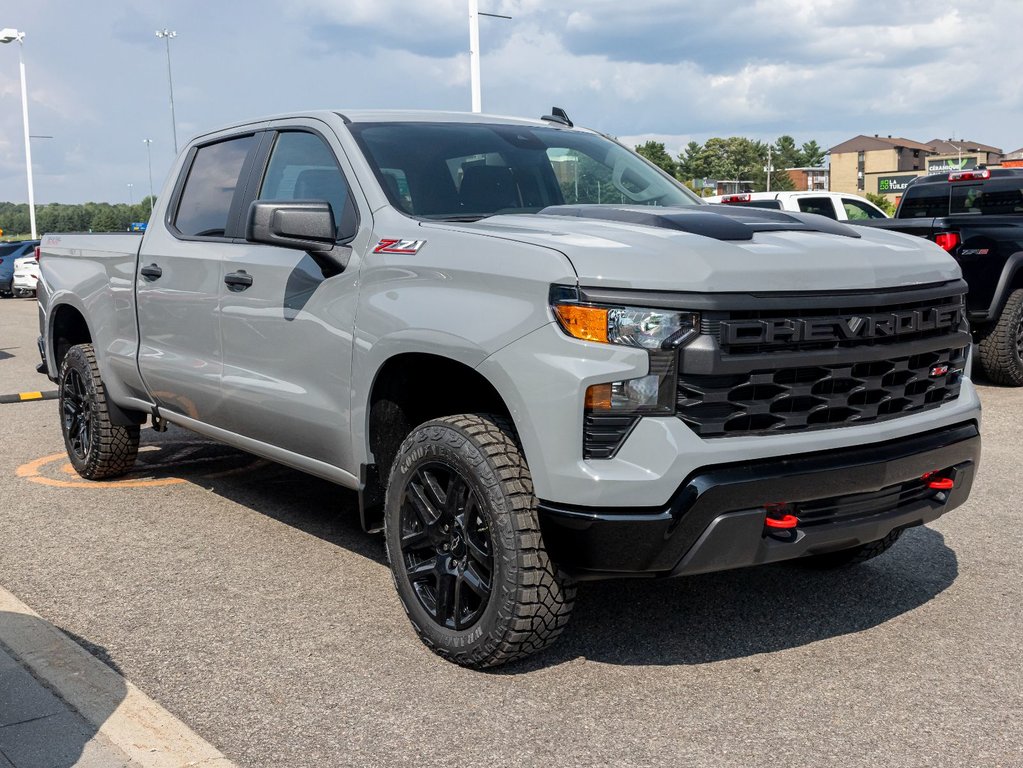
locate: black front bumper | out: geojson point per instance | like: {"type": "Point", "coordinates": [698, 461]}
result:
{"type": "Point", "coordinates": [715, 520]}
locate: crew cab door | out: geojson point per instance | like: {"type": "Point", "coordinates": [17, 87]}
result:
{"type": "Point", "coordinates": [179, 277]}
{"type": "Point", "coordinates": [286, 328]}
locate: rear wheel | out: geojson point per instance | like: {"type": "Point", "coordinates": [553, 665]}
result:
{"type": "Point", "coordinates": [98, 448]}
{"type": "Point", "coordinates": [464, 544]}
{"type": "Point", "coordinates": [1001, 345]}
{"type": "Point", "coordinates": [846, 558]}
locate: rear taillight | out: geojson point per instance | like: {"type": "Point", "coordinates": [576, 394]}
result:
{"type": "Point", "coordinates": [38, 252]}
{"type": "Point", "coordinates": [737, 198]}
{"type": "Point", "coordinates": [947, 240]}
{"type": "Point", "coordinates": [969, 175]}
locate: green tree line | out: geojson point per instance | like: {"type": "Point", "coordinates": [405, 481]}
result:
{"type": "Point", "coordinates": [81, 217]}
{"type": "Point", "coordinates": [736, 158]}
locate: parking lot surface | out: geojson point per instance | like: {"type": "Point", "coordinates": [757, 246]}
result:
{"type": "Point", "coordinates": [244, 598]}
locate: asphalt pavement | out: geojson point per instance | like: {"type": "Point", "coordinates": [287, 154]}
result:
{"type": "Point", "coordinates": [244, 598]}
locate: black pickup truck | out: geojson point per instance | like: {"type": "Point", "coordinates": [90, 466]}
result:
{"type": "Point", "coordinates": [977, 216]}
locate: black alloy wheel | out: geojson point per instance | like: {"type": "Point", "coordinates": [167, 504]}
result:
{"type": "Point", "coordinates": [464, 543]}
{"type": "Point", "coordinates": [76, 411]}
{"type": "Point", "coordinates": [445, 546]}
{"type": "Point", "coordinates": [97, 447]}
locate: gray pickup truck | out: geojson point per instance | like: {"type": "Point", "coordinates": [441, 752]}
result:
{"type": "Point", "coordinates": [537, 358]}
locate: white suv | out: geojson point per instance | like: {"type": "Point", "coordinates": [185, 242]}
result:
{"type": "Point", "coordinates": [26, 275]}
{"type": "Point", "coordinates": [834, 205]}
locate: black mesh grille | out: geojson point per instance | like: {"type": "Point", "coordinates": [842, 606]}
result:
{"type": "Point", "coordinates": [806, 398]}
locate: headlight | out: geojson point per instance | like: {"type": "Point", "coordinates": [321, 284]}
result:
{"type": "Point", "coordinates": [629, 326]}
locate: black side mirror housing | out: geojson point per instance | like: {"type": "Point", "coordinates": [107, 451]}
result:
{"type": "Point", "coordinates": [305, 225]}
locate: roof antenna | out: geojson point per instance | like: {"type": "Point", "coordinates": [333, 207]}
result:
{"type": "Point", "coordinates": [558, 115]}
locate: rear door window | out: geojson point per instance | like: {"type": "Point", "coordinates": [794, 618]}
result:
{"type": "Point", "coordinates": [205, 204]}
{"type": "Point", "coordinates": [822, 206]}
{"type": "Point", "coordinates": [857, 210]}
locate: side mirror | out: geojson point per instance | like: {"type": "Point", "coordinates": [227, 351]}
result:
{"type": "Point", "coordinates": [305, 225]}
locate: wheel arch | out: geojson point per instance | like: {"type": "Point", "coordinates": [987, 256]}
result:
{"type": "Point", "coordinates": [408, 389]}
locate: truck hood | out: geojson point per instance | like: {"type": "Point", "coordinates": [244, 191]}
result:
{"type": "Point", "coordinates": [718, 249]}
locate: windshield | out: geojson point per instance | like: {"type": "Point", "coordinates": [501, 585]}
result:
{"type": "Point", "coordinates": [468, 171]}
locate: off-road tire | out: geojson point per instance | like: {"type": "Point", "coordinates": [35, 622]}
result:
{"type": "Point", "coordinates": [1001, 345]}
{"type": "Point", "coordinates": [529, 601]}
{"type": "Point", "coordinates": [110, 449]}
{"type": "Point", "coordinates": [847, 558]}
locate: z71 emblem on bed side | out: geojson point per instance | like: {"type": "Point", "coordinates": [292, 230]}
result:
{"type": "Point", "coordinates": [391, 245]}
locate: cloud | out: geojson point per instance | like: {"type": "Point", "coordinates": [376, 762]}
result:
{"type": "Point", "coordinates": [825, 70]}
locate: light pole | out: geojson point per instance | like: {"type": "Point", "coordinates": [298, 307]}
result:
{"type": "Point", "coordinates": [149, 155]}
{"type": "Point", "coordinates": [10, 36]}
{"type": "Point", "coordinates": [131, 194]}
{"type": "Point", "coordinates": [474, 52]}
{"type": "Point", "coordinates": [166, 35]}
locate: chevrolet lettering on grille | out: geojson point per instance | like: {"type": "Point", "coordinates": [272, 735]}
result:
{"type": "Point", "coordinates": [841, 328]}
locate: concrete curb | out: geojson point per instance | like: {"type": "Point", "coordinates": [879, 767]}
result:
{"type": "Point", "coordinates": [147, 733]}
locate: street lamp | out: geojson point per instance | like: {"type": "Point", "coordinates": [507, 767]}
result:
{"type": "Point", "coordinates": [474, 51]}
{"type": "Point", "coordinates": [149, 155]}
{"type": "Point", "coordinates": [9, 36]}
{"type": "Point", "coordinates": [166, 35]}
{"type": "Point", "coordinates": [131, 194]}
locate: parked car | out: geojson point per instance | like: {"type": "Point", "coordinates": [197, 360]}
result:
{"type": "Point", "coordinates": [527, 387]}
{"type": "Point", "coordinates": [26, 274]}
{"type": "Point", "coordinates": [977, 216]}
{"type": "Point", "coordinates": [9, 253]}
{"type": "Point", "coordinates": [834, 205]}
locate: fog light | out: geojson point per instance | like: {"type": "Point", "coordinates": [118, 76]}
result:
{"type": "Point", "coordinates": [652, 394]}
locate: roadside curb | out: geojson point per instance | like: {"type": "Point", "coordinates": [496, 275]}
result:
{"type": "Point", "coordinates": [132, 722]}
{"type": "Point", "coordinates": [27, 397]}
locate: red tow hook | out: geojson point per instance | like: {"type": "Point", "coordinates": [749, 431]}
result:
{"type": "Point", "coordinates": [783, 523]}
{"type": "Point", "coordinates": [938, 483]}
{"type": "Point", "coordinates": [779, 518]}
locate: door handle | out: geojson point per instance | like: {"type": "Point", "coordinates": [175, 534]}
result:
{"type": "Point", "coordinates": [238, 281]}
{"type": "Point", "coordinates": [152, 272]}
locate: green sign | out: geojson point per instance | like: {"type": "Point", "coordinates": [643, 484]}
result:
{"type": "Point", "coordinates": [948, 165]}
{"type": "Point", "coordinates": [891, 185]}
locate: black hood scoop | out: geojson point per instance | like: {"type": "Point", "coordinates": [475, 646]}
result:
{"type": "Point", "coordinates": [721, 222]}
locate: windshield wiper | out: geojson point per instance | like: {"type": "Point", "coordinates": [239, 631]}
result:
{"type": "Point", "coordinates": [463, 217]}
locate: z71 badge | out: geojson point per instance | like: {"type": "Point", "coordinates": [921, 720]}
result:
{"type": "Point", "coordinates": [391, 245]}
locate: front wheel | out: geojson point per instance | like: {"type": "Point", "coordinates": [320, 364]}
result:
{"type": "Point", "coordinates": [97, 447]}
{"type": "Point", "coordinates": [1001, 346]}
{"type": "Point", "coordinates": [464, 544]}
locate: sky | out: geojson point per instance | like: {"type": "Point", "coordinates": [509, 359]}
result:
{"type": "Point", "coordinates": [667, 70]}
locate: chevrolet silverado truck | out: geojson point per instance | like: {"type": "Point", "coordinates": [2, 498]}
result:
{"type": "Point", "coordinates": [537, 358]}
{"type": "Point", "coordinates": [977, 216]}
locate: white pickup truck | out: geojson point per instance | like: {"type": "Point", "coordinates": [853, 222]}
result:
{"type": "Point", "coordinates": [835, 205]}
{"type": "Point", "coordinates": [537, 358]}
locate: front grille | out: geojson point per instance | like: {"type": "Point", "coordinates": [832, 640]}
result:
{"type": "Point", "coordinates": [804, 398]}
{"type": "Point", "coordinates": [841, 509]}
{"type": "Point", "coordinates": [854, 326]}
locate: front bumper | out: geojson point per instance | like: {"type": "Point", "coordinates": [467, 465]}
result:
{"type": "Point", "coordinates": [715, 519]}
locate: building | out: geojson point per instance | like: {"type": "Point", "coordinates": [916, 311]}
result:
{"type": "Point", "coordinates": [864, 158]}
{"type": "Point", "coordinates": [1013, 159]}
{"type": "Point", "coordinates": [885, 165]}
{"type": "Point", "coordinates": [969, 154]}
{"type": "Point", "coordinates": [809, 179]}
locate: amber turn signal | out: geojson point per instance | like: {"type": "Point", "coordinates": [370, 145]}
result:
{"type": "Point", "coordinates": [586, 323]}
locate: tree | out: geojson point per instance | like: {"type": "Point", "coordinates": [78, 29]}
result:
{"type": "Point", "coordinates": [813, 155]}
{"type": "Point", "coordinates": [785, 154]}
{"type": "Point", "coordinates": [689, 165]}
{"type": "Point", "coordinates": [881, 202]}
{"type": "Point", "coordinates": [655, 152]}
